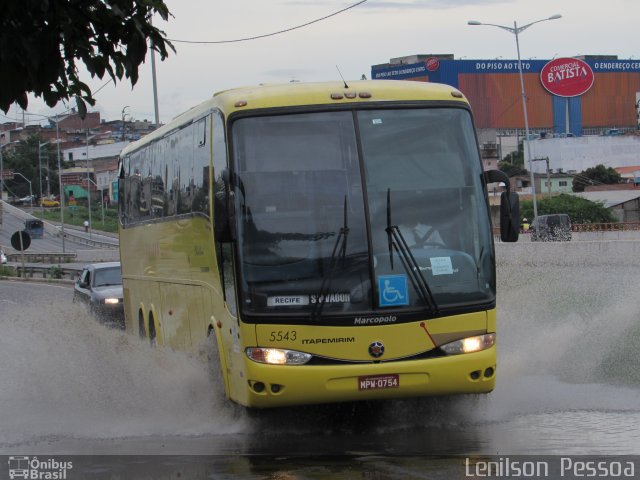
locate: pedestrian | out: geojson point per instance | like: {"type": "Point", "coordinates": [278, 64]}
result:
{"type": "Point", "coordinates": [524, 226]}
{"type": "Point", "coordinates": [86, 225]}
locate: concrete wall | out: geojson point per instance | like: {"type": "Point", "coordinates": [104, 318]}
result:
{"type": "Point", "coordinates": [580, 153]}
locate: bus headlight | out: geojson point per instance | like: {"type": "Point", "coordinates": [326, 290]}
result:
{"type": "Point", "coordinates": [470, 344]}
{"type": "Point", "coordinates": [277, 356]}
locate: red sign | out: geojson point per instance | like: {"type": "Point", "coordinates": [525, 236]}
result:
{"type": "Point", "coordinates": [567, 77]}
{"type": "Point", "coordinates": [433, 64]}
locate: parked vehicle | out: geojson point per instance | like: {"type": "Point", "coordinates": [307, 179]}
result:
{"type": "Point", "coordinates": [3, 258]}
{"type": "Point", "coordinates": [48, 202]}
{"type": "Point", "coordinates": [26, 200]}
{"type": "Point", "coordinates": [550, 228]}
{"type": "Point", "coordinates": [100, 288]}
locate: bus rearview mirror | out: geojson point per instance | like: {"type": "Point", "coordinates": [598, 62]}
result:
{"type": "Point", "coordinates": [509, 216]}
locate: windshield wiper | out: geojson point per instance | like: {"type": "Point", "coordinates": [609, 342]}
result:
{"type": "Point", "coordinates": [398, 243]}
{"type": "Point", "coordinates": [339, 246]}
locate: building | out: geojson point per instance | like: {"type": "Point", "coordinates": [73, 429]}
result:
{"type": "Point", "coordinates": [600, 124]}
{"type": "Point", "coordinates": [630, 174]}
{"type": "Point", "coordinates": [625, 204]}
{"type": "Point", "coordinates": [610, 105]}
{"type": "Point", "coordinates": [89, 149]}
{"type": "Point", "coordinates": [101, 163]}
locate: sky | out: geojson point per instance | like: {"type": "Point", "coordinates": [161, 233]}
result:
{"type": "Point", "coordinates": [370, 33]}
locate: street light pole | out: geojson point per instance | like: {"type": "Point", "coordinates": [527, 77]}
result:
{"type": "Point", "coordinates": [516, 30]}
{"type": "Point", "coordinates": [60, 187]}
{"type": "Point", "coordinates": [102, 202]}
{"type": "Point", "coordinates": [29, 182]}
{"type": "Point", "coordinates": [2, 145]}
{"type": "Point", "coordinates": [40, 145]}
{"type": "Point", "coordinates": [57, 120]}
{"type": "Point", "coordinates": [2, 172]}
{"type": "Point", "coordinates": [88, 185]}
{"type": "Point", "coordinates": [155, 82]}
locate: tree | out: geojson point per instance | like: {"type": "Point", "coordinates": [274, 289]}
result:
{"type": "Point", "coordinates": [579, 209]}
{"type": "Point", "coordinates": [30, 161]}
{"type": "Point", "coordinates": [595, 176]}
{"type": "Point", "coordinates": [513, 163]}
{"type": "Point", "coordinates": [41, 42]}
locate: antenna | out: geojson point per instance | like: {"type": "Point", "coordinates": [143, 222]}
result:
{"type": "Point", "coordinates": [345, 82]}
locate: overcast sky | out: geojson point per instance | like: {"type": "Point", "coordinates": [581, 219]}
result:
{"type": "Point", "coordinates": [368, 34]}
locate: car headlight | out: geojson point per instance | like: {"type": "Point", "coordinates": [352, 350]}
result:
{"type": "Point", "coordinates": [111, 301]}
{"type": "Point", "coordinates": [277, 356]}
{"type": "Point", "coordinates": [470, 344]}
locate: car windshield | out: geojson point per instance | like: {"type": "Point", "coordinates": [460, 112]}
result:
{"type": "Point", "coordinates": [316, 194]}
{"type": "Point", "coordinates": [104, 277]}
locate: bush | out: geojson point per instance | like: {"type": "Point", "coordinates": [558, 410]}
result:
{"type": "Point", "coordinates": [7, 271]}
{"type": "Point", "coordinates": [579, 209]}
{"type": "Point", "coordinates": [55, 271]}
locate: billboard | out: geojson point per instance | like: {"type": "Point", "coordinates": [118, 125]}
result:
{"type": "Point", "coordinates": [567, 77]}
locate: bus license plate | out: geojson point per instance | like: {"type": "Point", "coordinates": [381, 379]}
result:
{"type": "Point", "coordinates": [377, 382]}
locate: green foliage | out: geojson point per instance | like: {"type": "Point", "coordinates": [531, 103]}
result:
{"type": "Point", "coordinates": [41, 42]}
{"type": "Point", "coordinates": [7, 271]}
{"type": "Point", "coordinates": [579, 209]}
{"type": "Point", "coordinates": [595, 176]}
{"type": "Point", "coordinates": [76, 216]}
{"type": "Point", "coordinates": [511, 169]}
{"type": "Point", "coordinates": [55, 271]}
{"type": "Point", "coordinates": [25, 157]}
{"type": "Point", "coordinates": [513, 163]}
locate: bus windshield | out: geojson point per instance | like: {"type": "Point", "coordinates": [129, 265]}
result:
{"type": "Point", "coordinates": [318, 193]}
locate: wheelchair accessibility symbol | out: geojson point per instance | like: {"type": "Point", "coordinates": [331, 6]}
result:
{"type": "Point", "coordinates": [392, 290]}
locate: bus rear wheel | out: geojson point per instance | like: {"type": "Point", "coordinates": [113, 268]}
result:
{"type": "Point", "coordinates": [141, 332]}
{"type": "Point", "coordinates": [152, 331]}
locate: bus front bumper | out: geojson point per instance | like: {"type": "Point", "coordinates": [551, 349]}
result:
{"type": "Point", "coordinates": [278, 385]}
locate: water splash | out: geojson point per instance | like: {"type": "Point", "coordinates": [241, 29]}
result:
{"type": "Point", "coordinates": [66, 375]}
{"type": "Point", "coordinates": [567, 342]}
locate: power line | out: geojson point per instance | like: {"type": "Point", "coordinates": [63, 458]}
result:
{"type": "Point", "coordinates": [270, 34]}
{"type": "Point", "coordinates": [56, 114]}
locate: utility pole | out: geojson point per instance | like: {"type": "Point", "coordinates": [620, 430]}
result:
{"type": "Point", "coordinates": [545, 159]}
{"type": "Point", "coordinates": [124, 129]}
{"type": "Point", "coordinates": [88, 185]}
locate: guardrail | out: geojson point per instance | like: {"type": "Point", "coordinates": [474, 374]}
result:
{"type": "Point", "coordinates": [88, 241]}
{"type": "Point", "coordinates": [48, 272]}
{"type": "Point", "coordinates": [41, 257]}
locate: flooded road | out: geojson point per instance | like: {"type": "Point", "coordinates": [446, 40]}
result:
{"type": "Point", "coordinates": [568, 383]}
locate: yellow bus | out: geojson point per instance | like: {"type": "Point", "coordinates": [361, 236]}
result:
{"type": "Point", "coordinates": [334, 240]}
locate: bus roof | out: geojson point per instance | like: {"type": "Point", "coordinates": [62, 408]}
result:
{"type": "Point", "coordinates": [307, 94]}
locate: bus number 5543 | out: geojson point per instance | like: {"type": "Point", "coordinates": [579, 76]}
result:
{"type": "Point", "coordinates": [280, 335]}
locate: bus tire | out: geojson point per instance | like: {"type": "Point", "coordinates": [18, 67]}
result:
{"type": "Point", "coordinates": [152, 331]}
{"type": "Point", "coordinates": [141, 331]}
